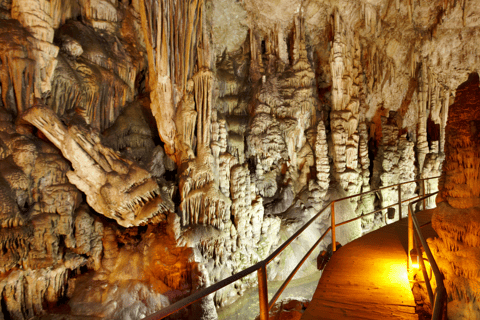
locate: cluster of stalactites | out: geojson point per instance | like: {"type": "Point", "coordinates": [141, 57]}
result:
{"type": "Point", "coordinates": [175, 37]}
{"type": "Point", "coordinates": [206, 206]}
{"type": "Point", "coordinates": [434, 99]}
{"type": "Point", "coordinates": [202, 200]}
{"type": "Point", "coordinates": [38, 17]}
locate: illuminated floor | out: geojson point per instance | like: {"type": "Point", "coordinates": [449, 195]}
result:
{"type": "Point", "coordinates": [367, 279]}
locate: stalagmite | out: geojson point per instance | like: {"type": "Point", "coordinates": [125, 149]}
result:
{"type": "Point", "coordinates": [406, 170]}
{"type": "Point", "coordinates": [432, 168]}
{"type": "Point", "coordinates": [366, 203]}
{"type": "Point", "coordinates": [321, 156]}
{"type": "Point", "coordinates": [344, 117]}
{"type": "Point", "coordinates": [386, 170]}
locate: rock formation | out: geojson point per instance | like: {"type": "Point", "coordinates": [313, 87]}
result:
{"type": "Point", "coordinates": [115, 187]}
{"type": "Point", "coordinates": [456, 219]}
{"type": "Point", "coordinates": [150, 148]}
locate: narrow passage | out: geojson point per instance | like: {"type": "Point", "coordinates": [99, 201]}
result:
{"type": "Point", "coordinates": [367, 278]}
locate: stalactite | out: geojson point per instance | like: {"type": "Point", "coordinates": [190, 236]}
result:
{"type": "Point", "coordinates": [422, 143]}
{"type": "Point", "coordinates": [171, 45]}
{"type": "Point", "coordinates": [27, 295]}
{"type": "Point", "coordinates": [37, 18]}
{"type": "Point", "coordinates": [186, 121]}
{"type": "Point", "coordinates": [443, 119]}
{"type": "Point", "coordinates": [203, 98]}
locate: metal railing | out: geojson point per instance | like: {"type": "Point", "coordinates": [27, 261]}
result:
{"type": "Point", "coordinates": [437, 299]}
{"type": "Point", "coordinates": [261, 267]}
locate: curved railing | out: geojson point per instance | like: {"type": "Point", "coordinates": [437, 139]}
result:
{"type": "Point", "coordinates": [436, 300]}
{"type": "Point", "coordinates": [261, 267]}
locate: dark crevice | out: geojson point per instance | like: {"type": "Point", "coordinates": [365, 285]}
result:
{"type": "Point", "coordinates": [6, 314]}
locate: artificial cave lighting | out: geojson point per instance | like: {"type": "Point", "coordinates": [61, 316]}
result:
{"type": "Point", "coordinates": [150, 149]}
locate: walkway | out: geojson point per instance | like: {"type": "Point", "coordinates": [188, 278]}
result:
{"type": "Point", "coordinates": [367, 278]}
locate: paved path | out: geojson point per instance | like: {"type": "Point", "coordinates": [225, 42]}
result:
{"type": "Point", "coordinates": [367, 278]}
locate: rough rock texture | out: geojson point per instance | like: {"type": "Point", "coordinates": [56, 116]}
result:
{"type": "Point", "coordinates": [432, 168]}
{"type": "Point", "coordinates": [115, 187]}
{"type": "Point", "coordinates": [43, 238]}
{"type": "Point", "coordinates": [192, 137]}
{"type": "Point", "coordinates": [457, 216]}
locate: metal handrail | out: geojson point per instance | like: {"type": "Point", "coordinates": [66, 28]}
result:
{"type": "Point", "coordinates": [438, 299]}
{"type": "Point", "coordinates": [261, 267]}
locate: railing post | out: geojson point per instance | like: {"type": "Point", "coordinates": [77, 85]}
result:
{"type": "Point", "coordinates": [410, 238]}
{"type": "Point", "coordinates": [334, 240]}
{"type": "Point", "coordinates": [263, 291]}
{"type": "Point", "coordinates": [399, 202]}
{"type": "Point", "coordinates": [424, 200]}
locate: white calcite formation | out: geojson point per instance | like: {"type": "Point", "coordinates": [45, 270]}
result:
{"type": "Point", "coordinates": [90, 77]}
{"type": "Point", "coordinates": [366, 203]}
{"type": "Point", "coordinates": [406, 167]}
{"type": "Point", "coordinates": [344, 117]}
{"type": "Point", "coordinates": [28, 291]}
{"type": "Point", "coordinates": [432, 168]}
{"type": "Point", "coordinates": [385, 170]}
{"type": "Point", "coordinates": [40, 19]}
{"type": "Point", "coordinates": [179, 142]}
{"type": "Point", "coordinates": [116, 187]}
{"type": "Point", "coordinates": [322, 160]}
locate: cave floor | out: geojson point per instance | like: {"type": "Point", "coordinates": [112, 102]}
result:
{"type": "Point", "coordinates": [247, 307]}
{"type": "Point", "coordinates": [367, 278]}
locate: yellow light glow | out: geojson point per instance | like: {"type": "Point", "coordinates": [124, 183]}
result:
{"type": "Point", "coordinates": [415, 265]}
{"type": "Point", "coordinates": [395, 272]}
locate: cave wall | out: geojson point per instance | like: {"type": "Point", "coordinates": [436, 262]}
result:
{"type": "Point", "coordinates": [151, 148]}
{"type": "Point", "coordinates": [457, 216]}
